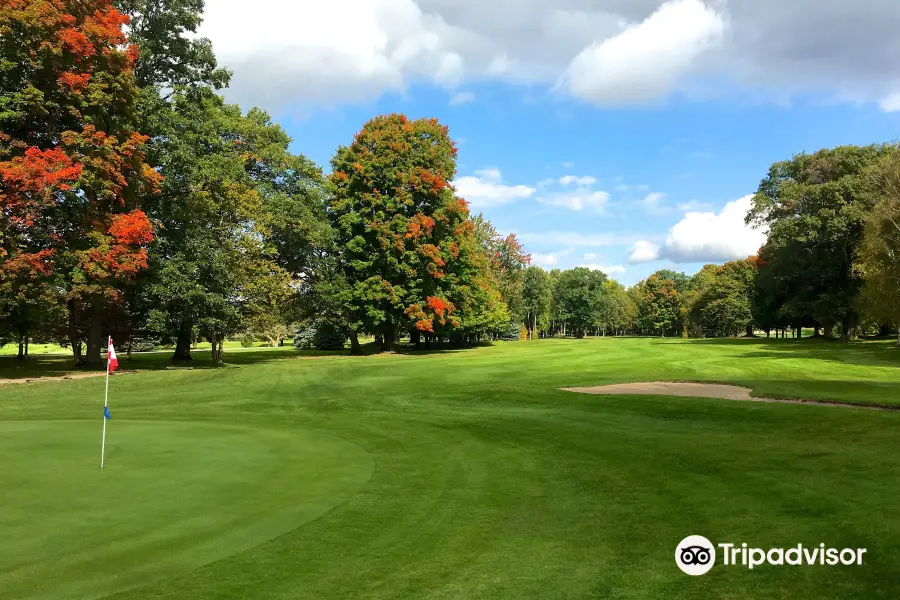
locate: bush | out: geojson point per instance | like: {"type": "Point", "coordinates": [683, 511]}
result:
{"type": "Point", "coordinates": [322, 334]}
{"type": "Point", "coordinates": [305, 338]}
{"type": "Point", "coordinates": [145, 344]}
{"type": "Point", "coordinates": [511, 333]}
{"type": "Point", "coordinates": [247, 340]}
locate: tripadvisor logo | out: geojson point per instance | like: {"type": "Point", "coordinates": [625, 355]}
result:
{"type": "Point", "coordinates": [696, 555]}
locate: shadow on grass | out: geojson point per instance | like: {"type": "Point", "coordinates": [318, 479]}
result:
{"type": "Point", "coordinates": [58, 365]}
{"type": "Point", "coordinates": [881, 352]}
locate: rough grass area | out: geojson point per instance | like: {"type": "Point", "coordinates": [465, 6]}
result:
{"type": "Point", "coordinates": [459, 474]}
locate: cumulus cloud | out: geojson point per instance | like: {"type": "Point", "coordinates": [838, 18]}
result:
{"type": "Point", "coordinates": [549, 259]}
{"type": "Point", "coordinates": [575, 239]}
{"type": "Point", "coordinates": [461, 98]}
{"type": "Point", "coordinates": [328, 52]}
{"type": "Point", "coordinates": [609, 270]}
{"type": "Point", "coordinates": [706, 237]}
{"type": "Point", "coordinates": [645, 62]}
{"type": "Point", "coordinates": [568, 180]}
{"type": "Point", "coordinates": [891, 102]}
{"type": "Point", "coordinates": [578, 200]}
{"type": "Point", "coordinates": [643, 251]}
{"type": "Point", "coordinates": [486, 188]}
{"type": "Point", "coordinates": [652, 204]}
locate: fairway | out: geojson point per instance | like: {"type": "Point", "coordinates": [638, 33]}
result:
{"type": "Point", "coordinates": [457, 474]}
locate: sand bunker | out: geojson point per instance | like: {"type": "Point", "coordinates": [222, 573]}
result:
{"type": "Point", "coordinates": [701, 390]}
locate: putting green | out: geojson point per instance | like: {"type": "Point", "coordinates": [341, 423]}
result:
{"type": "Point", "coordinates": [173, 496]}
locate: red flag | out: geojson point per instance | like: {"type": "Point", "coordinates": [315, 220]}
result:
{"type": "Point", "coordinates": [112, 363]}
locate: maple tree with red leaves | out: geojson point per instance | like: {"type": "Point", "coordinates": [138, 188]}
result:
{"type": "Point", "coordinates": [407, 243]}
{"type": "Point", "coordinates": [72, 165]}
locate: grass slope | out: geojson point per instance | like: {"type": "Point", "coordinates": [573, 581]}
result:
{"type": "Point", "coordinates": [488, 481]}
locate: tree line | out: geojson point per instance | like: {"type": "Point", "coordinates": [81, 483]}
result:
{"type": "Point", "coordinates": [135, 202]}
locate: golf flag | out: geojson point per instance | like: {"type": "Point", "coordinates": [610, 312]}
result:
{"type": "Point", "coordinates": [111, 357]}
{"type": "Point", "coordinates": [111, 365]}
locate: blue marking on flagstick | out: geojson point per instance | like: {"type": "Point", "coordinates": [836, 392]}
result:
{"type": "Point", "coordinates": [106, 412]}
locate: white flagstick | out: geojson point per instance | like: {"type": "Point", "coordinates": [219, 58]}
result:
{"type": "Point", "coordinates": [105, 405]}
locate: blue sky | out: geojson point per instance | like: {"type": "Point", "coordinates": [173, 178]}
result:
{"type": "Point", "coordinates": [630, 146]}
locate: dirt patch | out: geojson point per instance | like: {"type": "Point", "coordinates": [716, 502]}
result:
{"type": "Point", "coordinates": [59, 377]}
{"type": "Point", "coordinates": [704, 390]}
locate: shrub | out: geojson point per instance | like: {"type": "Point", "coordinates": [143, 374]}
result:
{"type": "Point", "coordinates": [321, 334]}
{"type": "Point", "coordinates": [145, 344]}
{"type": "Point", "coordinates": [305, 338]}
{"type": "Point", "coordinates": [511, 332]}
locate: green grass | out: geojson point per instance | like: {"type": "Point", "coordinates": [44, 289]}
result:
{"type": "Point", "coordinates": [461, 474]}
{"type": "Point", "coordinates": [41, 349]}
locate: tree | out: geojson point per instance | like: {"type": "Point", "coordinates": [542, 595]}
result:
{"type": "Point", "coordinates": [537, 295]}
{"type": "Point", "coordinates": [508, 261]}
{"type": "Point", "coordinates": [72, 167]}
{"type": "Point", "coordinates": [215, 266]}
{"type": "Point", "coordinates": [401, 230]}
{"type": "Point", "coordinates": [815, 207]}
{"type": "Point", "coordinates": [724, 295]}
{"type": "Point", "coordinates": [171, 56]}
{"type": "Point", "coordinates": [878, 256]}
{"type": "Point", "coordinates": [659, 309]}
{"type": "Point", "coordinates": [580, 294]}
{"type": "Point", "coordinates": [621, 311]}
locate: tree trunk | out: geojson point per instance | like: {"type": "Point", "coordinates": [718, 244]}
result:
{"type": "Point", "coordinates": [26, 345]}
{"type": "Point", "coordinates": [750, 330]}
{"type": "Point", "coordinates": [74, 340]}
{"type": "Point", "coordinates": [95, 333]}
{"type": "Point", "coordinates": [416, 338]}
{"type": "Point", "coordinates": [799, 333]}
{"type": "Point", "coordinates": [355, 348]}
{"type": "Point", "coordinates": [21, 346]}
{"type": "Point", "coordinates": [768, 332]}
{"type": "Point", "coordinates": [387, 340]}
{"type": "Point", "coordinates": [883, 331]}
{"type": "Point", "coordinates": [851, 326]}
{"type": "Point", "coordinates": [183, 344]}
{"type": "Point", "coordinates": [828, 330]}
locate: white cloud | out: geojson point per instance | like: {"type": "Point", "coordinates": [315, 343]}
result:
{"type": "Point", "coordinates": [715, 237]}
{"type": "Point", "coordinates": [545, 182]}
{"type": "Point", "coordinates": [643, 251]}
{"type": "Point", "coordinates": [549, 259]}
{"type": "Point", "coordinates": [643, 188]}
{"type": "Point", "coordinates": [646, 61]}
{"type": "Point", "coordinates": [706, 237]}
{"type": "Point", "coordinates": [461, 98]}
{"type": "Point", "coordinates": [490, 174]}
{"type": "Point", "coordinates": [694, 206]}
{"type": "Point", "coordinates": [486, 188]}
{"type": "Point", "coordinates": [590, 256]}
{"type": "Point", "coordinates": [609, 270]}
{"type": "Point", "coordinates": [652, 204]}
{"type": "Point", "coordinates": [317, 53]}
{"type": "Point", "coordinates": [568, 165]}
{"type": "Point", "coordinates": [576, 239]}
{"type": "Point", "coordinates": [891, 102]}
{"type": "Point", "coordinates": [578, 200]}
{"type": "Point", "coordinates": [587, 180]}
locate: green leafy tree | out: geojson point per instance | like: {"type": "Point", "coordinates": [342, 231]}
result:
{"type": "Point", "coordinates": [214, 268]}
{"type": "Point", "coordinates": [815, 207]}
{"type": "Point", "coordinates": [581, 298]}
{"type": "Point", "coordinates": [878, 256]}
{"type": "Point", "coordinates": [537, 294]}
{"type": "Point", "coordinates": [660, 308]}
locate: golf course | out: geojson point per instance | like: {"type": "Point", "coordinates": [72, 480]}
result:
{"type": "Point", "coordinates": [452, 474]}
